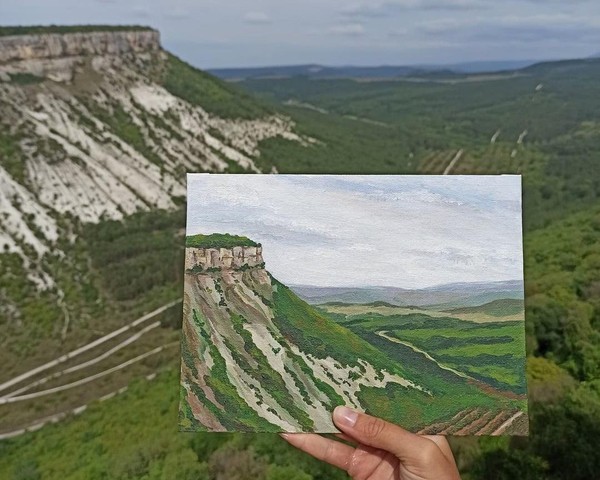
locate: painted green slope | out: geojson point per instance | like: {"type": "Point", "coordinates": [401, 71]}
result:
{"type": "Point", "coordinates": [496, 308]}
{"type": "Point", "coordinates": [315, 333]}
{"type": "Point", "coordinates": [321, 336]}
{"type": "Point", "coordinates": [492, 352]}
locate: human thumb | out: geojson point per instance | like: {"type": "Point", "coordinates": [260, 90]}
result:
{"type": "Point", "coordinates": [420, 454]}
{"type": "Point", "coordinates": [377, 433]}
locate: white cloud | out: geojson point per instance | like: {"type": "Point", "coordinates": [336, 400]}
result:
{"type": "Point", "coordinates": [512, 28]}
{"type": "Point", "coordinates": [361, 230]}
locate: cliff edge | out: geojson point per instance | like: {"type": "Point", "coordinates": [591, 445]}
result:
{"type": "Point", "coordinates": [45, 46]}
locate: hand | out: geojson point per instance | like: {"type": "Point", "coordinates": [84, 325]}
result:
{"type": "Point", "coordinates": [382, 451]}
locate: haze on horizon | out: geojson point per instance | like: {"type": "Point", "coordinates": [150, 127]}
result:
{"type": "Point", "coordinates": [215, 34]}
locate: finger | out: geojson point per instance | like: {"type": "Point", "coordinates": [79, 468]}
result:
{"type": "Point", "coordinates": [386, 468]}
{"type": "Point", "coordinates": [335, 453]}
{"type": "Point", "coordinates": [378, 433]}
{"type": "Point", "coordinates": [346, 438]}
{"type": "Point", "coordinates": [443, 445]}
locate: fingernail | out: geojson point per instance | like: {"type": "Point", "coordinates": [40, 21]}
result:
{"type": "Point", "coordinates": [285, 436]}
{"type": "Point", "coordinates": [345, 417]}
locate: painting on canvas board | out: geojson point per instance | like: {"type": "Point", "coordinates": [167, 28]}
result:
{"type": "Point", "coordinates": [400, 296]}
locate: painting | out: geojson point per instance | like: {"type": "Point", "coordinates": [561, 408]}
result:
{"type": "Point", "coordinates": [400, 296]}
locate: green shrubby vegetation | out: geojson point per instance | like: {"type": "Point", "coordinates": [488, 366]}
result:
{"type": "Point", "coordinates": [470, 110]}
{"type": "Point", "coordinates": [561, 312]}
{"type": "Point", "coordinates": [213, 95]}
{"type": "Point", "coordinates": [144, 443]}
{"type": "Point", "coordinates": [218, 240]}
{"type": "Point", "coordinates": [563, 306]}
{"type": "Point", "coordinates": [25, 78]}
{"type": "Point", "coordinates": [139, 255]}
{"type": "Point", "coordinates": [344, 146]}
{"type": "Point", "coordinates": [11, 156]}
{"type": "Point", "coordinates": [45, 29]}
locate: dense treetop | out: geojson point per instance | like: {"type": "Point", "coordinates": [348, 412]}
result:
{"type": "Point", "coordinates": [46, 29]}
{"type": "Point", "coordinates": [219, 240]}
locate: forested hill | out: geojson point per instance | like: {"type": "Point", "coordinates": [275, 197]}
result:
{"type": "Point", "coordinates": [90, 128]}
{"type": "Point", "coordinates": [368, 73]}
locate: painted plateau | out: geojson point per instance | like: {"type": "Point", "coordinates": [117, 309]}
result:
{"type": "Point", "coordinates": [401, 296]}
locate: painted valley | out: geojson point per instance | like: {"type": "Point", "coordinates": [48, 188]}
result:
{"type": "Point", "coordinates": [263, 352]}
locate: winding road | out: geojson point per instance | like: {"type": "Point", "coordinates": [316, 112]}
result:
{"type": "Point", "coordinates": [507, 424]}
{"type": "Point", "coordinates": [85, 348]}
{"type": "Point", "coordinates": [384, 334]}
{"type": "Point", "coordinates": [83, 381]}
{"type": "Point", "coordinates": [86, 364]}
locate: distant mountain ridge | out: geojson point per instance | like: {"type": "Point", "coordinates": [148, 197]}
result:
{"type": "Point", "coordinates": [495, 308]}
{"type": "Point", "coordinates": [446, 296]}
{"type": "Point", "coordinates": [365, 72]}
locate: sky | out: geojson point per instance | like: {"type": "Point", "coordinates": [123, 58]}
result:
{"type": "Point", "coordinates": [358, 231]}
{"type": "Point", "coordinates": [239, 33]}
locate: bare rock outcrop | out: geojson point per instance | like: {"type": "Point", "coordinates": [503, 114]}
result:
{"type": "Point", "coordinates": [59, 45]}
{"type": "Point", "coordinates": [223, 258]}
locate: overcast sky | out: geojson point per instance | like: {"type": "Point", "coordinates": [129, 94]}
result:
{"type": "Point", "coordinates": [402, 231]}
{"type": "Point", "coordinates": [221, 33]}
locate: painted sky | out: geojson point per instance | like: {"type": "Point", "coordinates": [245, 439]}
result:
{"type": "Point", "coordinates": [234, 33]}
{"type": "Point", "coordinates": [402, 231]}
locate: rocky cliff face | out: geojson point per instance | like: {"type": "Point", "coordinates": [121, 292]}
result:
{"type": "Point", "coordinates": [58, 56]}
{"type": "Point", "coordinates": [223, 258]}
{"type": "Point", "coordinates": [90, 129]}
{"type": "Point", "coordinates": [56, 45]}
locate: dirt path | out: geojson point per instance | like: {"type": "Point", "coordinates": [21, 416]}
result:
{"type": "Point", "coordinates": [85, 380]}
{"type": "Point", "coordinates": [86, 364]}
{"type": "Point", "coordinates": [384, 334]}
{"type": "Point", "coordinates": [367, 120]}
{"type": "Point", "coordinates": [453, 161]}
{"type": "Point", "coordinates": [507, 424]}
{"type": "Point", "coordinates": [85, 348]}
{"type": "Point", "coordinates": [478, 383]}
{"type": "Point", "coordinates": [309, 106]}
